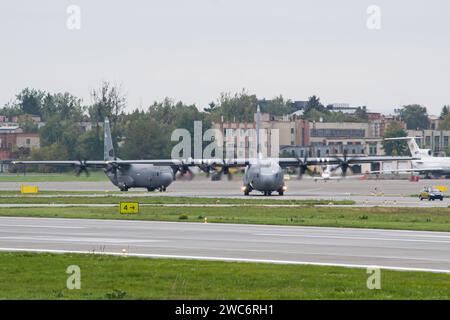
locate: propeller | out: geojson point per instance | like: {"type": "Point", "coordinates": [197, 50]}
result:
{"type": "Point", "coordinates": [183, 170]}
{"type": "Point", "coordinates": [344, 164]}
{"type": "Point", "coordinates": [224, 170]}
{"type": "Point", "coordinates": [303, 166]}
{"type": "Point", "coordinates": [207, 169]}
{"type": "Point", "coordinates": [81, 167]}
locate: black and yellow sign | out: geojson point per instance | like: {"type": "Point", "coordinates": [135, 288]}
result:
{"type": "Point", "coordinates": [129, 207]}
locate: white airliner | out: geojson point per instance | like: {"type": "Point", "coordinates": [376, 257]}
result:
{"type": "Point", "coordinates": [426, 163]}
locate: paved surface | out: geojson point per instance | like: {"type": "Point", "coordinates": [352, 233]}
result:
{"type": "Point", "coordinates": [403, 250]}
{"type": "Point", "coordinates": [365, 193]}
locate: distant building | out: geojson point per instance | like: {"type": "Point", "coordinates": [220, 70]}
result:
{"type": "Point", "coordinates": [434, 122]}
{"type": "Point", "coordinates": [15, 143]}
{"type": "Point", "coordinates": [436, 140]}
{"type": "Point", "coordinates": [343, 107]}
{"type": "Point", "coordinates": [293, 131]}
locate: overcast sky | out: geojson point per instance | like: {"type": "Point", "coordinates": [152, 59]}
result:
{"type": "Point", "coordinates": [192, 50]}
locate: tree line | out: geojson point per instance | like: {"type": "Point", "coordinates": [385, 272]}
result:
{"type": "Point", "coordinates": [146, 133]}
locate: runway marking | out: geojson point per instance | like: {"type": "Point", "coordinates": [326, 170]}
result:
{"type": "Point", "coordinates": [106, 240]}
{"type": "Point", "coordinates": [228, 259]}
{"type": "Point", "coordinates": [347, 237]}
{"type": "Point", "coordinates": [140, 224]}
{"type": "Point", "coordinates": [37, 226]}
{"type": "Point", "coordinates": [303, 253]}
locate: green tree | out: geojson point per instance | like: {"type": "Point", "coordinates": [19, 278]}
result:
{"type": "Point", "coordinates": [146, 138]}
{"type": "Point", "coordinates": [89, 147]}
{"type": "Point", "coordinates": [65, 105]}
{"type": "Point", "coordinates": [239, 107]}
{"type": "Point", "coordinates": [30, 101]}
{"type": "Point", "coordinates": [53, 151]}
{"type": "Point", "coordinates": [415, 116]}
{"type": "Point", "coordinates": [109, 101]}
{"type": "Point", "coordinates": [277, 106]}
{"type": "Point", "coordinates": [315, 110]}
{"type": "Point", "coordinates": [28, 126]}
{"type": "Point", "coordinates": [395, 148]}
{"type": "Point", "coordinates": [444, 112]}
{"type": "Point", "coordinates": [61, 132]}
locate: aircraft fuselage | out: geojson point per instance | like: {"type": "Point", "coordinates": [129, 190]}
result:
{"type": "Point", "coordinates": [264, 177]}
{"type": "Point", "coordinates": [142, 176]}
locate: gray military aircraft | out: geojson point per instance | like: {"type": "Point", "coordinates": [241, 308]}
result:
{"type": "Point", "coordinates": [267, 176]}
{"type": "Point", "coordinates": [261, 174]}
{"type": "Point", "coordinates": [123, 174]}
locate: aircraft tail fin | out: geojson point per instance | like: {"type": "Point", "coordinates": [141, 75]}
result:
{"type": "Point", "coordinates": [258, 129]}
{"type": "Point", "coordinates": [412, 145]}
{"type": "Point", "coordinates": [108, 151]}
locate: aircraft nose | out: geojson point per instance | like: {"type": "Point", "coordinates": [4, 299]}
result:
{"type": "Point", "coordinates": [267, 181]}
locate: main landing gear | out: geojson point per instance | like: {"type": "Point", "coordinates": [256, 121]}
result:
{"type": "Point", "coordinates": [160, 189]}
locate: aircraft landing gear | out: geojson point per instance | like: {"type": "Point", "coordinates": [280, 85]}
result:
{"type": "Point", "coordinates": [162, 189]}
{"type": "Point", "coordinates": [282, 190]}
{"type": "Point", "coordinates": [247, 190]}
{"type": "Point", "coordinates": [267, 193]}
{"type": "Point", "coordinates": [124, 188]}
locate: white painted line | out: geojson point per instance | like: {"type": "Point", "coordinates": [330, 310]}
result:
{"type": "Point", "coordinates": [349, 238]}
{"type": "Point", "coordinates": [76, 240]}
{"type": "Point", "coordinates": [227, 259]}
{"type": "Point", "coordinates": [38, 226]}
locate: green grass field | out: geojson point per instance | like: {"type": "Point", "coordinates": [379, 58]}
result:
{"type": "Point", "coordinates": [432, 219]}
{"type": "Point", "coordinates": [52, 177]}
{"type": "Point", "coordinates": [111, 198]}
{"type": "Point", "coordinates": [43, 276]}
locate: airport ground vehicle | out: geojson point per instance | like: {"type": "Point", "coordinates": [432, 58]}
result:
{"type": "Point", "coordinates": [431, 194]}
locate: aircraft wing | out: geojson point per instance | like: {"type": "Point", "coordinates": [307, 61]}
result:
{"type": "Point", "coordinates": [410, 170]}
{"type": "Point", "coordinates": [156, 162]}
{"type": "Point", "coordinates": [185, 162]}
{"type": "Point", "coordinates": [95, 163]}
{"type": "Point", "coordinates": [294, 162]}
{"type": "Point", "coordinates": [238, 162]}
{"type": "Point", "coordinates": [242, 162]}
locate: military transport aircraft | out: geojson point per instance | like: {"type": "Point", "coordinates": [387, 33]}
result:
{"type": "Point", "coordinates": [123, 174]}
{"type": "Point", "coordinates": [262, 174]}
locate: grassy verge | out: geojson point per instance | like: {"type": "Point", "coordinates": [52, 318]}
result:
{"type": "Point", "coordinates": [116, 198]}
{"type": "Point", "coordinates": [52, 177]}
{"type": "Point", "coordinates": [43, 276]}
{"type": "Point", "coordinates": [432, 219]}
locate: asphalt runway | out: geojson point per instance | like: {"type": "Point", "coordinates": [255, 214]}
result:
{"type": "Point", "coordinates": [390, 249]}
{"type": "Point", "coordinates": [366, 193]}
